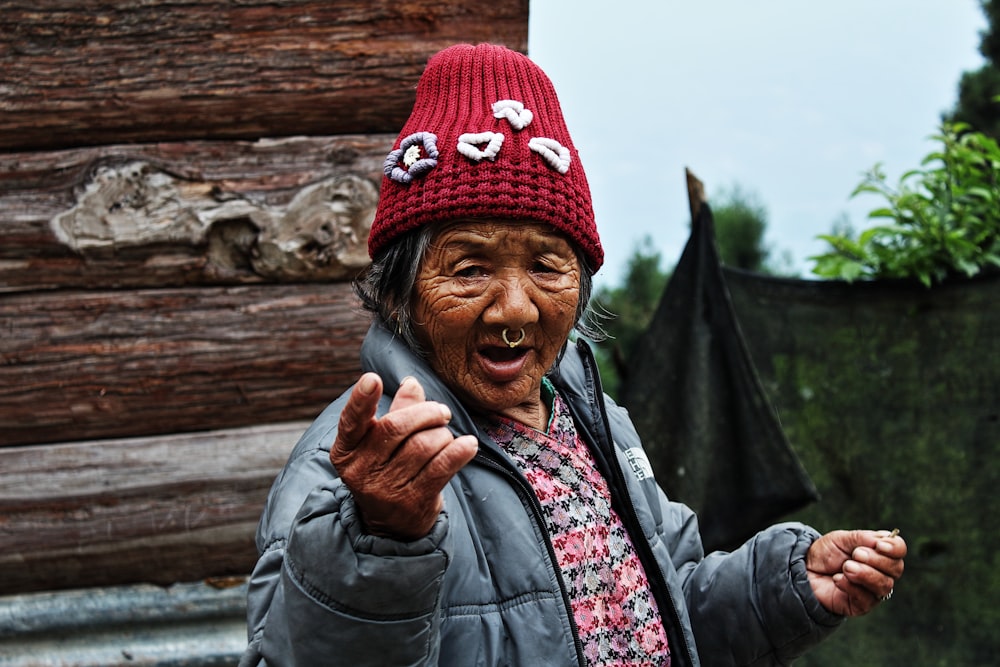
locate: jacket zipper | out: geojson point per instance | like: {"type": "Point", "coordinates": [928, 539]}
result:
{"type": "Point", "coordinates": [485, 457]}
{"type": "Point", "coordinates": [644, 551]}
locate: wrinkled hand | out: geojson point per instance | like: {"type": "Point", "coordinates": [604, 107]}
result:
{"type": "Point", "coordinates": [396, 466]}
{"type": "Point", "coordinates": [851, 571]}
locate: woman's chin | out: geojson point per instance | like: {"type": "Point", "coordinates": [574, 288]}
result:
{"type": "Point", "coordinates": [505, 384]}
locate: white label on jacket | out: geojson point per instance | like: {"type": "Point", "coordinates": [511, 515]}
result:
{"type": "Point", "coordinates": [639, 462]}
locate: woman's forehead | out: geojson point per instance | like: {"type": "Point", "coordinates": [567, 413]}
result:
{"type": "Point", "coordinates": [499, 232]}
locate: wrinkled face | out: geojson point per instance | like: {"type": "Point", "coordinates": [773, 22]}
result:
{"type": "Point", "coordinates": [479, 278]}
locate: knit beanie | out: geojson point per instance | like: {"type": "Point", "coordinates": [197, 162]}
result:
{"type": "Point", "coordinates": [486, 140]}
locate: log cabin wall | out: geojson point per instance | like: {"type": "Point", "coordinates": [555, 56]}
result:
{"type": "Point", "coordinates": [185, 194]}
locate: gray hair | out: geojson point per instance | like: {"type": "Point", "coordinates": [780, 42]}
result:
{"type": "Point", "coordinates": [386, 287]}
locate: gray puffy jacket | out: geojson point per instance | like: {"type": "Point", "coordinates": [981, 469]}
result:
{"type": "Point", "coordinates": [482, 588]}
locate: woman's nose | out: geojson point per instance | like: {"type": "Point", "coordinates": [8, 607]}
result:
{"type": "Point", "coordinates": [513, 303]}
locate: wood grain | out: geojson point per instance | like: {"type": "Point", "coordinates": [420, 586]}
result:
{"type": "Point", "coordinates": [160, 510]}
{"type": "Point", "coordinates": [83, 72]}
{"type": "Point", "coordinates": [171, 214]}
{"type": "Point", "coordinates": [97, 364]}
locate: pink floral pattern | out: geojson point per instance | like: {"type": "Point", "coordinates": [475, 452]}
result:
{"type": "Point", "coordinates": [613, 606]}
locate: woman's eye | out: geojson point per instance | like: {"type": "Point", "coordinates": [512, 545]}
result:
{"type": "Point", "coordinates": [470, 272]}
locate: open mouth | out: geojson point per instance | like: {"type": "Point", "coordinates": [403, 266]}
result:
{"type": "Point", "coordinates": [503, 364]}
{"type": "Point", "coordinates": [503, 354]}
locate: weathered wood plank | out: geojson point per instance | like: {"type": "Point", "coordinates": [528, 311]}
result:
{"type": "Point", "coordinates": [160, 510]}
{"type": "Point", "coordinates": [93, 364]}
{"type": "Point", "coordinates": [219, 212]}
{"type": "Point", "coordinates": [83, 72]}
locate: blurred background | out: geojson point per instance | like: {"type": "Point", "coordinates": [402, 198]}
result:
{"type": "Point", "coordinates": [790, 102]}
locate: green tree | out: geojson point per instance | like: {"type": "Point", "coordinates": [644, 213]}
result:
{"type": "Point", "coordinates": [979, 91]}
{"type": "Point", "coordinates": [740, 227]}
{"type": "Point", "coordinates": [627, 309]}
{"type": "Point", "coordinates": [740, 224]}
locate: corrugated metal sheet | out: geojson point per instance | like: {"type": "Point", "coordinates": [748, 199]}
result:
{"type": "Point", "coordinates": [190, 624]}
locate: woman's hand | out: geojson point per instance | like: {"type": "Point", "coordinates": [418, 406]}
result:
{"type": "Point", "coordinates": [397, 466]}
{"type": "Point", "coordinates": [851, 571]}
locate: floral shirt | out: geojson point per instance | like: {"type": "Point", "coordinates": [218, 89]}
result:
{"type": "Point", "coordinates": [613, 606]}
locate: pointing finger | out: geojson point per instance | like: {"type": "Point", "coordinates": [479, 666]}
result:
{"type": "Point", "coordinates": [358, 414]}
{"type": "Point", "coordinates": [410, 392]}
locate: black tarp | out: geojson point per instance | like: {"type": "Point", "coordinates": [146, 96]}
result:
{"type": "Point", "coordinates": [713, 436]}
{"type": "Point", "coordinates": [888, 393]}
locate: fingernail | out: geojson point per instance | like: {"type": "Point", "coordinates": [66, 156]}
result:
{"type": "Point", "coordinates": [367, 385]}
{"type": "Point", "coordinates": [851, 567]}
{"type": "Point", "coordinates": [402, 382]}
{"type": "Point", "coordinates": [884, 547]}
{"type": "Point", "coordinates": [445, 412]}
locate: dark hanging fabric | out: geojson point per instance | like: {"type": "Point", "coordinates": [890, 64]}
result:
{"type": "Point", "coordinates": [889, 392]}
{"type": "Point", "coordinates": [712, 434]}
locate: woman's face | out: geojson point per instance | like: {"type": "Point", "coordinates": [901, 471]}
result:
{"type": "Point", "coordinates": [479, 278]}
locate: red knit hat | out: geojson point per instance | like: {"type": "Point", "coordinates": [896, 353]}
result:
{"type": "Point", "coordinates": [486, 139]}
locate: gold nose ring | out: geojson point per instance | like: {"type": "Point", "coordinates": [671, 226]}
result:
{"type": "Point", "coordinates": [512, 343]}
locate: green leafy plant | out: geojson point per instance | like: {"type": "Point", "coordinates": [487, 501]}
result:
{"type": "Point", "coordinates": [944, 217]}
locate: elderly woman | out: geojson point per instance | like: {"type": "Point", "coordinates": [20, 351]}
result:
{"type": "Point", "coordinates": [475, 499]}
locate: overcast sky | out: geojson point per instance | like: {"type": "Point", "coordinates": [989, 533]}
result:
{"type": "Point", "coordinates": [788, 99]}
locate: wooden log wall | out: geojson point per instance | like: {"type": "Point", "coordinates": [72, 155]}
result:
{"type": "Point", "coordinates": [159, 510]}
{"type": "Point", "coordinates": [113, 363]}
{"type": "Point", "coordinates": [94, 72]}
{"type": "Point", "coordinates": [193, 213]}
{"type": "Point", "coordinates": [185, 195]}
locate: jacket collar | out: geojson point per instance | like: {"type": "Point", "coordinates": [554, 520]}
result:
{"type": "Point", "coordinates": [384, 353]}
